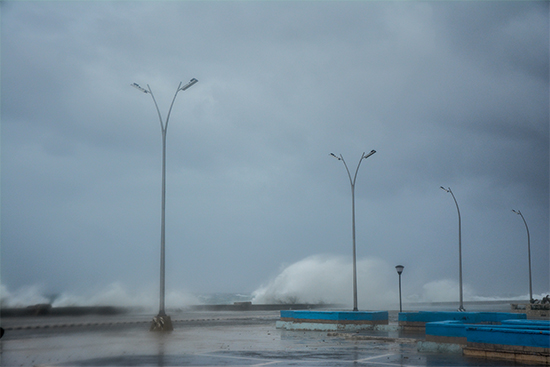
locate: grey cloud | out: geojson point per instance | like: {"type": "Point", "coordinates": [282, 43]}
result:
{"type": "Point", "coordinates": [452, 94]}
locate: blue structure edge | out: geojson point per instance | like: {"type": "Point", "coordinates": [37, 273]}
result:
{"type": "Point", "coordinates": [423, 317]}
{"type": "Point", "coordinates": [524, 333]}
{"type": "Point", "coordinates": [536, 338]}
{"type": "Point", "coordinates": [335, 316]}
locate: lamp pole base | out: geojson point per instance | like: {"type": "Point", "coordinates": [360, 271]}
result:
{"type": "Point", "coordinates": [161, 323]}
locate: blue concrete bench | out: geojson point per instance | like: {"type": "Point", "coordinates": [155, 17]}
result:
{"type": "Point", "coordinates": [544, 324]}
{"type": "Point", "coordinates": [419, 319]}
{"type": "Point", "coordinates": [522, 336]}
{"type": "Point", "coordinates": [456, 331]}
{"type": "Point", "coordinates": [446, 332]}
{"type": "Point", "coordinates": [520, 342]}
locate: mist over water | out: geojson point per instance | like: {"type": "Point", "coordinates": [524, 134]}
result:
{"type": "Point", "coordinates": [328, 279]}
{"type": "Point", "coordinates": [316, 279]}
{"type": "Point", "coordinates": [22, 297]}
{"type": "Point", "coordinates": [115, 294]}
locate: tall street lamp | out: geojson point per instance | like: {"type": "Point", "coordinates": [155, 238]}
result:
{"type": "Point", "coordinates": [352, 182]}
{"type": "Point", "coordinates": [399, 269]}
{"type": "Point", "coordinates": [518, 212]}
{"type": "Point", "coordinates": [461, 307]}
{"type": "Point", "coordinates": [162, 322]}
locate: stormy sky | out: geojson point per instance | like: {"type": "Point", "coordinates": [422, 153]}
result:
{"type": "Point", "coordinates": [452, 94]}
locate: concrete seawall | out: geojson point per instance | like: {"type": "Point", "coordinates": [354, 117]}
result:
{"type": "Point", "coordinates": [247, 306]}
{"type": "Point", "coordinates": [48, 310]}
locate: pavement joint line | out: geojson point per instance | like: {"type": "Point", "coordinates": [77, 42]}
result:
{"type": "Point", "coordinates": [270, 361]}
{"type": "Point", "coordinates": [372, 337]}
{"type": "Point", "coordinates": [374, 357]}
{"type": "Point", "coordinates": [266, 364]}
{"type": "Point", "coordinates": [389, 364]}
{"type": "Point", "coordinates": [369, 360]}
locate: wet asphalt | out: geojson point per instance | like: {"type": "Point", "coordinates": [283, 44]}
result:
{"type": "Point", "coordinates": [208, 339]}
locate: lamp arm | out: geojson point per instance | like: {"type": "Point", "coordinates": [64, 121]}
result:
{"type": "Point", "coordinates": [357, 169]}
{"type": "Point", "coordinates": [456, 203]}
{"type": "Point", "coordinates": [171, 105]}
{"type": "Point", "coordinates": [157, 107]}
{"type": "Point", "coordinates": [352, 183]}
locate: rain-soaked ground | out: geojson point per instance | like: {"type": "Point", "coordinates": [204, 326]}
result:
{"type": "Point", "coordinates": [207, 339]}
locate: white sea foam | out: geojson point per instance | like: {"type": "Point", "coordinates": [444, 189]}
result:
{"type": "Point", "coordinates": [115, 294]}
{"type": "Point", "coordinates": [328, 279]}
{"type": "Point", "coordinates": [316, 279]}
{"type": "Point", "coordinates": [443, 290]}
{"type": "Point", "coordinates": [22, 297]}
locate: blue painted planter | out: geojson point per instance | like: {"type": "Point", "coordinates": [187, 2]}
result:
{"type": "Point", "coordinates": [519, 340]}
{"type": "Point", "coordinates": [544, 324]}
{"type": "Point", "coordinates": [508, 336]}
{"type": "Point", "coordinates": [455, 329]}
{"type": "Point", "coordinates": [458, 329]}
{"type": "Point", "coordinates": [520, 333]}
{"type": "Point", "coordinates": [287, 314]}
{"type": "Point", "coordinates": [419, 319]}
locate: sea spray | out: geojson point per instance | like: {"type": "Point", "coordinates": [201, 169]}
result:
{"type": "Point", "coordinates": [316, 279]}
{"type": "Point", "coordinates": [114, 294]}
{"type": "Point", "coordinates": [22, 297]}
{"type": "Point", "coordinates": [443, 290]}
{"type": "Point", "coordinates": [328, 279]}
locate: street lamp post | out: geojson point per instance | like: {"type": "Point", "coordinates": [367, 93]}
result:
{"type": "Point", "coordinates": [352, 183]}
{"type": "Point", "coordinates": [399, 269]}
{"type": "Point", "coordinates": [461, 307]}
{"type": "Point", "coordinates": [162, 322]}
{"type": "Point", "coordinates": [518, 212]}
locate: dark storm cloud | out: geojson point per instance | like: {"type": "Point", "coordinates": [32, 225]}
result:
{"type": "Point", "coordinates": [452, 94]}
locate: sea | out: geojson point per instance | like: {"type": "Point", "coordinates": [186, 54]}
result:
{"type": "Point", "coordinates": [499, 305]}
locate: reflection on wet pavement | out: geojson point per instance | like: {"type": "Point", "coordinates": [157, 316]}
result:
{"type": "Point", "coordinates": [208, 339]}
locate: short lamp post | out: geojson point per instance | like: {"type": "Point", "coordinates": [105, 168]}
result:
{"type": "Point", "coordinates": [461, 307]}
{"type": "Point", "coordinates": [352, 183]}
{"type": "Point", "coordinates": [399, 269]}
{"type": "Point", "coordinates": [518, 212]}
{"type": "Point", "coordinates": [162, 322]}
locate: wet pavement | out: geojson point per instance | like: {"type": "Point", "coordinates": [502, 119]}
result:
{"type": "Point", "coordinates": [208, 339]}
